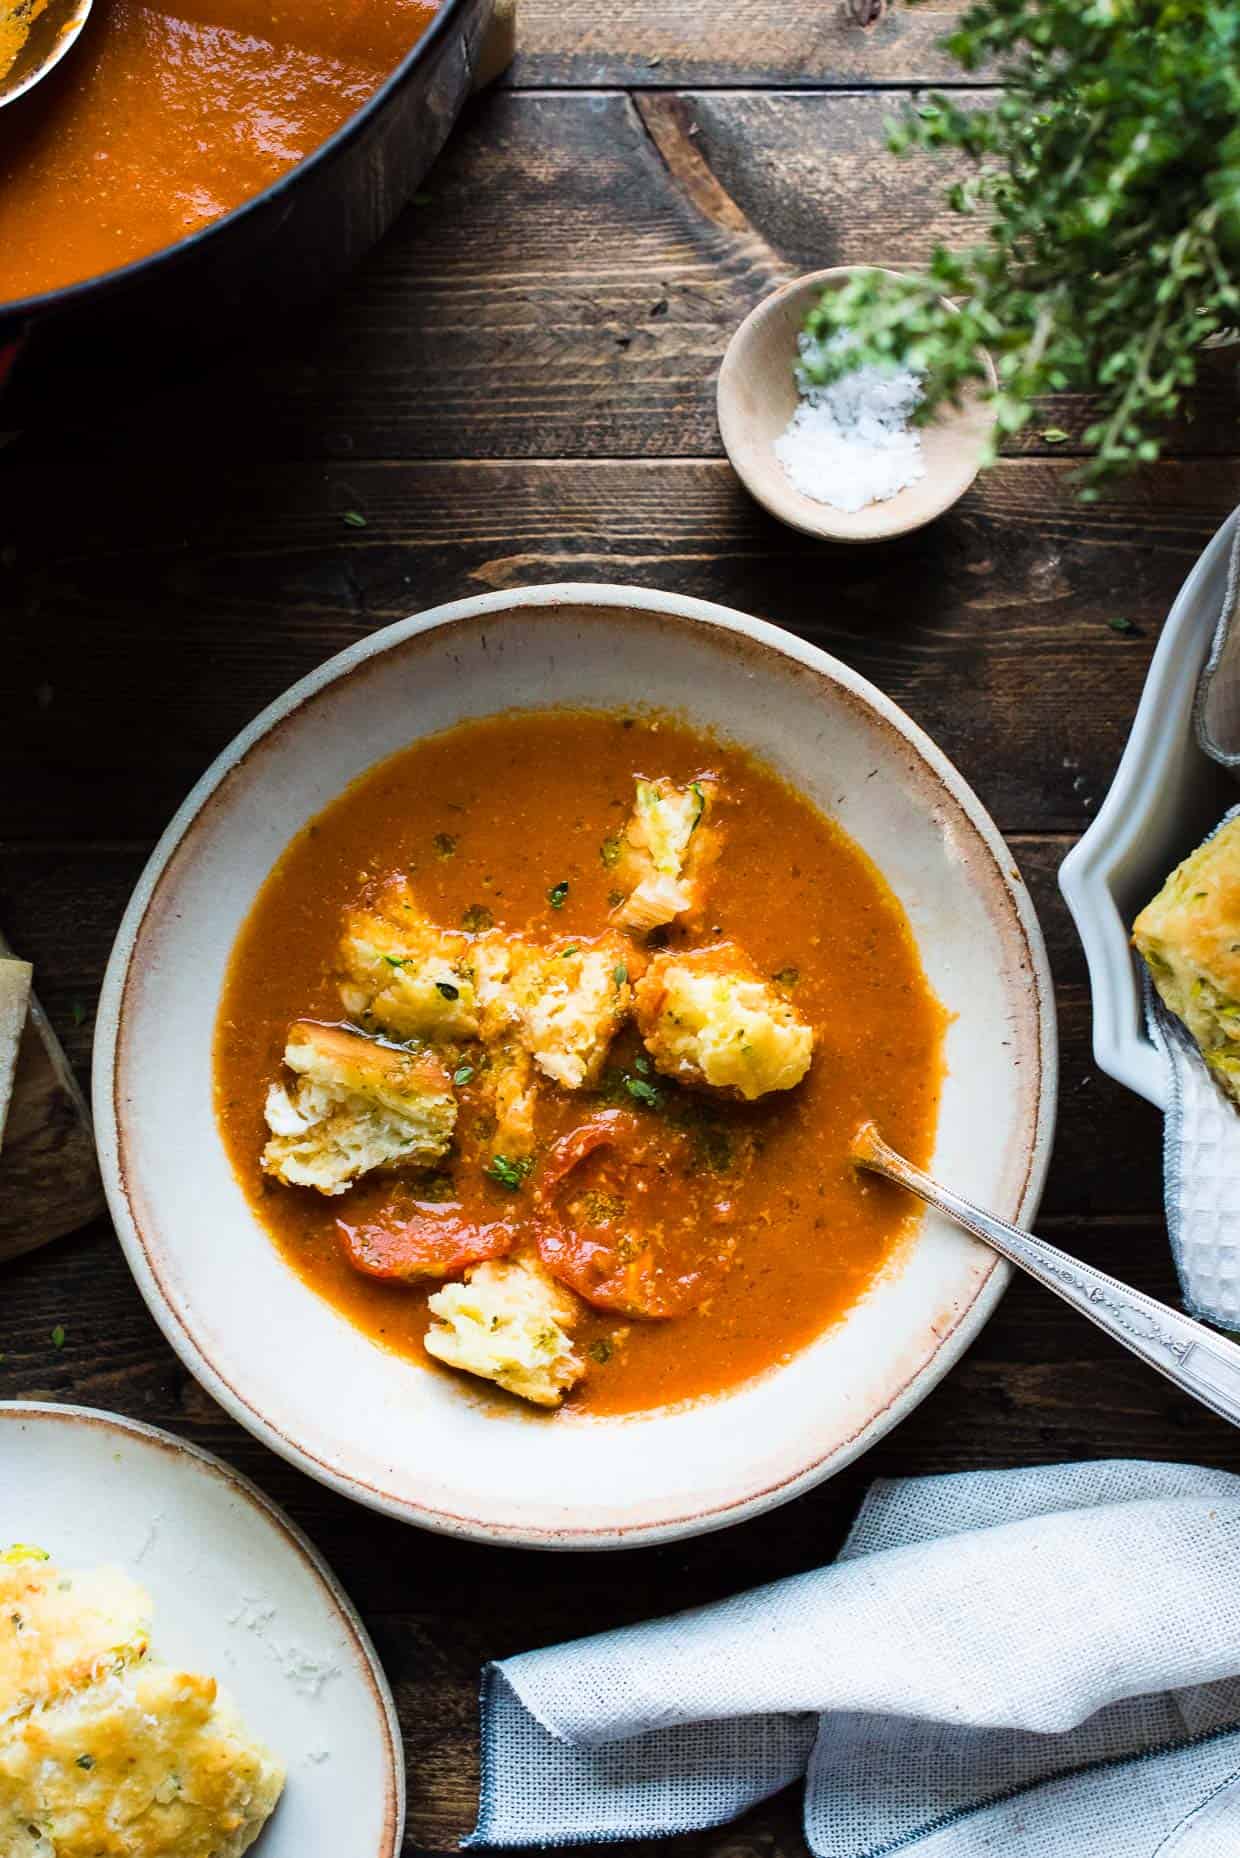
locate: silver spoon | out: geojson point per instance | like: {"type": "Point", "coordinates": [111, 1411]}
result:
{"type": "Point", "coordinates": [1204, 1364]}
{"type": "Point", "coordinates": [51, 34]}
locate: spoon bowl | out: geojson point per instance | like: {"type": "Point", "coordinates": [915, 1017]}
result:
{"type": "Point", "coordinates": [51, 32]}
{"type": "Point", "coordinates": [757, 396]}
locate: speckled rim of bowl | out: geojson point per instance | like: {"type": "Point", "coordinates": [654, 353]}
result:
{"type": "Point", "coordinates": [910, 509]}
{"type": "Point", "coordinates": [748, 635]}
{"type": "Point", "coordinates": [366, 1658]}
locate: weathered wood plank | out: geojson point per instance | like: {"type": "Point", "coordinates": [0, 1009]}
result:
{"type": "Point", "coordinates": [187, 595]}
{"type": "Point", "coordinates": [754, 42]}
{"type": "Point", "coordinates": [569, 285]}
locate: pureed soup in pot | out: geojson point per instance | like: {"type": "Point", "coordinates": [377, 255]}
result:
{"type": "Point", "coordinates": [542, 1047]}
{"type": "Point", "coordinates": [163, 118]}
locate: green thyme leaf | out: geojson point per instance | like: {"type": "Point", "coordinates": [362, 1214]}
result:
{"type": "Point", "coordinates": [508, 1171]}
{"type": "Point", "coordinates": [354, 518]}
{"type": "Point", "coordinates": [462, 1074]}
{"type": "Point", "coordinates": [477, 918]}
{"type": "Point", "coordinates": [444, 844]}
{"type": "Point", "coordinates": [620, 974]}
{"type": "Point", "coordinates": [1121, 624]}
{"type": "Point", "coordinates": [609, 850]}
{"type": "Point", "coordinates": [787, 977]}
{"type": "Point", "coordinates": [58, 1336]}
{"type": "Point", "coordinates": [644, 1093]}
{"type": "Point", "coordinates": [558, 894]}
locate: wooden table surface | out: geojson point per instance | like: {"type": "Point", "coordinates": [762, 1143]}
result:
{"type": "Point", "coordinates": [519, 387]}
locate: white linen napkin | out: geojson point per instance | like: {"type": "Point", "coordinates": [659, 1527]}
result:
{"type": "Point", "coordinates": [1038, 1664]}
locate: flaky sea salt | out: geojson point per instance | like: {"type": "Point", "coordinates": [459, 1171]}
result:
{"type": "Point", "coordinates": [850, 444]}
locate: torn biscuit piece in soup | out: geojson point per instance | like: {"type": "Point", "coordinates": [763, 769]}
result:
{"type": "Point", "coordinates": [541, 1049]}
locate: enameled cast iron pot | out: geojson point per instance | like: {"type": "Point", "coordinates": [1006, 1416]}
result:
{"type": "Point", "coordinates": [88, 344]}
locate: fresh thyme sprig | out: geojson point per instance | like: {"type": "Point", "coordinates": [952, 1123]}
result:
{"type": "Point", "coordinates": [1108, 178]}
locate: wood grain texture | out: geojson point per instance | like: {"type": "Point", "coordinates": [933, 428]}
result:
{"type": "Point", "coordinates": [568, 284]}
{"type": "Point", "coordinates": [757, 42]}
{"type": "Point", "coordinates": [189, 595]}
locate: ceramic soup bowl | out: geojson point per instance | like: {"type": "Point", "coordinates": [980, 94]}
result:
{"type": "Point", "coordinates": [413, 1442]}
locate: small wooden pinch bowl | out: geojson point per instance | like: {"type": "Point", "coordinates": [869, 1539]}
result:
{"type": "Point", "coordinates": [757, 396]}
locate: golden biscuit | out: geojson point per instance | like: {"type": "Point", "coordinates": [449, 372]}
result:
{"type": "Point", "coordinates": [1189, 939]}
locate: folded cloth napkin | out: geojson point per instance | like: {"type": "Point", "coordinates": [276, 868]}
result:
{"type": "Point", "coordinates": [1039, 1664]}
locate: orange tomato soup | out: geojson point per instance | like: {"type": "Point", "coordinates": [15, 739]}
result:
{"type": "Point", "coordinates": [163, 118]}
{"type": "Point", "coordinates": [499, 816]}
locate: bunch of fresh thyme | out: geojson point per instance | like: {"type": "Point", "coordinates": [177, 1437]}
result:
{"type": "Point", "coordinates": [1108, 177]}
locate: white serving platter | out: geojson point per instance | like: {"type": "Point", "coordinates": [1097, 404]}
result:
{"type": "Point", "coordinates": [1165, 797]}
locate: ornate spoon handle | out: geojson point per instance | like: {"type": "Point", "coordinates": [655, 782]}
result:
{"type": "Point", "coordinates": [1206, 1365]}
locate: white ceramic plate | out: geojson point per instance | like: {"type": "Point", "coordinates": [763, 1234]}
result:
{"type": "Point", "coordinates": [417, 1444]}
{"type": "Point", "coordinates": [1165, 797]}
{"type": "Point", "coordinates": [239, 1595]}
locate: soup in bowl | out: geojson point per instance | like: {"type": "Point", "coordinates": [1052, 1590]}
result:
{"type": "Point", "coordinates": [542, 1046]}
{"type": "Point", "coordinates": [480, 1053]}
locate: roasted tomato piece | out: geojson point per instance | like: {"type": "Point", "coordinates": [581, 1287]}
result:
{"type": "Point", "coordinates": [430, 1238]}
{"type": "Point", "coordinates": [623, 1223]}
{"type": "Point", "coordinates": [617, 1129]}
